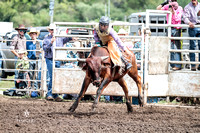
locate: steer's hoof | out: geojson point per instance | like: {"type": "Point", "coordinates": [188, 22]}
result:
{"type": "Point", "coordinates": [71, 109]}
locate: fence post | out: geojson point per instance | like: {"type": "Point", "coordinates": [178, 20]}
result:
{"type": "Point", "coordinates": [43, 76]}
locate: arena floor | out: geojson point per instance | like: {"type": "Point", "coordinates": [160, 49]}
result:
{"type": "Point", "coordinates": [39, 115]}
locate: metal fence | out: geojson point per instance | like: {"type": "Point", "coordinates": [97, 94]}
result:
{"type": "Point", "coordinates": [185, 83]}
{"type": "Point", "coordinates": [8, 66]}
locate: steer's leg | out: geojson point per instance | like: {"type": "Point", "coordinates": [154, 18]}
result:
{"type": "Point", "coordinates": [103, 85]}
{"type": "Point", "coordinates": [85, 85]}
{"type": "Point", "coordinates": [134, 75]}
{"type": "Point", "coordinates": [123, 84]}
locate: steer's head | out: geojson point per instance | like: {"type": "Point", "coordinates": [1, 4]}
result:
{"type": "Point", "coordinates": [93, 66]}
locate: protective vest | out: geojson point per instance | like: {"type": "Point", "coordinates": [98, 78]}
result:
{"type": "Point", "coordinates": [105, 36]}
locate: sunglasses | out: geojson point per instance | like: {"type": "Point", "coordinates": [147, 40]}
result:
{"type": "Point", "coordinates": [51, 29]}
{"type": "Point", "coordinates": [22, 30]}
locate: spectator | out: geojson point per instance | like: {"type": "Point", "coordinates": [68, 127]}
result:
{"type": "Point", "coordinates": [190, 16]}
{"type": "Point", "coordinates": [34, 44]}
{"type": "Point", "coordinates": [177, 12]}
{"type": "Point", "coordinates": [22, 66]}
{"type": "Point", "coordinates": [48, 44]}
{"type": "Point", "coordinates": [18, 43]}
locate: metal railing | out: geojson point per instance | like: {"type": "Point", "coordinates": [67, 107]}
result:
{"type": "Point", "coordinates": [43, 80]}
{"type": "Point", "coordinates": [169, 25]}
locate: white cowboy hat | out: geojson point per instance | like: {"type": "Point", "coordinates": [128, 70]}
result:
{"type": "Point", "coordinates": [51, 26]}
{"type": "Point", "coordinates": [122, 31]}
{"type": "Point", "coordinates": [33, 30]}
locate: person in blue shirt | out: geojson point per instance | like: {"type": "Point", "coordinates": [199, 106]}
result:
{"type": "Point", "coordinates": [32, 46]}
{"type": "Point", "coordinates": [49, 42]}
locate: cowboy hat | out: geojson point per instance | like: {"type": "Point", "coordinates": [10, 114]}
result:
{"type": "Point", "coordinates": [51, 26]}
{"type": "Point", "coordinates": [21, 27]}
{"type": "Point", "coordinates": [33, 30]}
{"type": "Point", "coordinates": [122, 31]}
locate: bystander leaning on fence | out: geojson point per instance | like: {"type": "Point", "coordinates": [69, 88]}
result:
{"type": "Point", "coordinates": [177, 12]}
{"type": "Point", "coordinates": [18, 43]}
{"type": "Point", "coordinates": [48, 44]}
{"type": "Point", "coordinates": [191, 13]}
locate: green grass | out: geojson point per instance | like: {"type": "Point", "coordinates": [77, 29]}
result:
{"type": "Point", "coordinates": [7, 84]}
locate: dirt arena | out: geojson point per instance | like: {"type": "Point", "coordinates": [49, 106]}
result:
{"type": "Point", "coordinates": [39, 115]}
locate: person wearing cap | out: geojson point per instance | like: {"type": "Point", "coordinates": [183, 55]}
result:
{"type": "Point", "coordinates": [190, 17]}
{"type": "Point", "coordinates": [22, 66]}
{"type": "Point", "coordinates": [32, 45]}
{"type": "Point", "coordinates": [105, 35]}
{"type": "Point", "coordinates": [177, 12]}
{"type": "Point", "coordinates": [49, 42]}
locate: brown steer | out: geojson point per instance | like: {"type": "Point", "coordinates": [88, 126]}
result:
{"type": "Point", "coordinates": [100, 72]}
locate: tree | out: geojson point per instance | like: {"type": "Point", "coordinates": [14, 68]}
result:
{"type": "Point", "coordinates": [25, 18]}
{"type": "Point", "coordinates": [6, 11]}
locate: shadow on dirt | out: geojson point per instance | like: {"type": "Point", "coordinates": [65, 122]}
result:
{"type": "Point", "coordinates": [76, 114]}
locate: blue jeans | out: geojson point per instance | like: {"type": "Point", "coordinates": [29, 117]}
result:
{"type": "Point", "coordinates": [176, 44]}
{"type": "Point", "coordinates": [32, 66]}
{"type": "Point", "coordinates": [16, 71]}
{"type": "Point", "coordinates": [49, 63]}
{"type": "Point", "coordinates": [107, 98]}
{"type": "Point", "coordinates": [194, 32]}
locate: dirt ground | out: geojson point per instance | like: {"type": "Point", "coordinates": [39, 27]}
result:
{"type": "Point", "coordinates": [39, 115]}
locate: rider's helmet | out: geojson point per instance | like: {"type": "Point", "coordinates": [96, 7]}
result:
{"type": "Point", "coordinates": [104, 20]}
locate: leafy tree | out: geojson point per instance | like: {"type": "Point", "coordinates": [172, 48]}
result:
{"type": "Point", "coordinates": [42, 18]}
{"type": "Point", "coordinates": [6, 11]}
{"type": "Point", "coordinates": [25, 18]}
{"type": "Point", "coordinates": [36, 12]}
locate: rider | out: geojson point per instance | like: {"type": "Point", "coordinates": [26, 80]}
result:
{"type": "Point", "coordinates": [105, 35]}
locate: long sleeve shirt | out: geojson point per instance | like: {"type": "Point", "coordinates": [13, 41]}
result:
{"type": "Point", "coordinates": [176, 17]}
{"type": "Point", "coordinates": [114, 36]}
{"type": "Point", "coordinates": [48, 46]}
{"type": "Point", "coordinates": [190, 13]}
{"type": "Point", "coordinates": [31, 46]}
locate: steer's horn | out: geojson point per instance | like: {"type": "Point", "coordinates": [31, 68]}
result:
{"type": "Point", "coordinates": [81, 60]}
{"type": "Point", "coordinates": [104, 57]}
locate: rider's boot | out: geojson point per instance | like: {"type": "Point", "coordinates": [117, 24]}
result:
{"type": "Point", "coordinates": [125, 61]}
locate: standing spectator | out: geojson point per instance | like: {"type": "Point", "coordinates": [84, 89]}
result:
{"type": "Point", "coordinates": [48, 44]}
{"type": "Point", "coordinates": [34, 44]}
{"type": "Point", "coordinates": [18, 43]}
{"type": "Point", "coordinates": [190, 16]}
{"type": "Point", "coordinates": [177, 12]}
